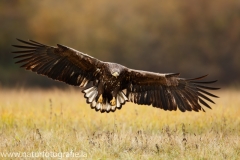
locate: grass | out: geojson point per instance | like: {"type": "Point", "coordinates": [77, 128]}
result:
{"type": "Point", "coordinates": [60, 121]}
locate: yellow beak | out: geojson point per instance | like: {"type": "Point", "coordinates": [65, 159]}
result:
{"type": "Point", "coordinates": [115, 74]}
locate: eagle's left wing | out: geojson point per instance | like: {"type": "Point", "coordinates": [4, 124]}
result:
{"type": "Point", "coordinates": [167, 91]}
{"type": "Point", "coordinates": [60, 63]}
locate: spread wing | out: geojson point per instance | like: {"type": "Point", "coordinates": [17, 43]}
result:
{"type": "Point", "coordinates": [168, 91]}
{"type": "Point", "coordinates": [59, 63]}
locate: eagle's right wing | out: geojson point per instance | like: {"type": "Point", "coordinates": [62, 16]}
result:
{"type": "Point", "coordinates": [59, 63]}
{"type": "Point", "coordinates": [167, 91]}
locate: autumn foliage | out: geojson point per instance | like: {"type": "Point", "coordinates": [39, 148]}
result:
{"type": "Point", "coordinates": [190, 37]}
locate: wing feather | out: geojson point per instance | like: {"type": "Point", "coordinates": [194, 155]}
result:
{"type": "Point", "coordinates": [34, 42]}
{"type": "Point", "coordinates": [179, 101]}
{"type": "Point", "coordinates": [205, 97]}
{"type": "Point", "coordinates": [155, 100]}
{"type": "Point", "coordinates": [31, 43]}
{"type": "Point", "coordinates": [148, 98]}
{"type": "Point", "coordinates": [24, 47]}
{"type": "Point", "coordinates": [204, 103]}
{"type": "Point", "coordinates": [184, 99]}
{"type": "Point", "coordinates": [25, 51]}
{"type": "Point", "coordinates": [162, 98]}
{"type": "Point", "coordinates": [209, 94]}
{"type": "Point", "coordinates": [59, 63]}
{"type": "Point", "coordinates": [157, 96]}
{"type": "Point", "coordinates": [168, 91]}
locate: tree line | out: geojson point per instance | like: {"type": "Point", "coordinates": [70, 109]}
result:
{"type": "Point", "coordinates": [190, 37]}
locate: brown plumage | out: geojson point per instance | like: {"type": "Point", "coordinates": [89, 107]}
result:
{"type": "Point", "coordinates": [114, 84]}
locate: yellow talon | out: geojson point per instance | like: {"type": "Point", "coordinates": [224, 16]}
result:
{"type": "Point", "coordinates": [113, 102]}
{"type": "Point", "coordinates": [100, 99]}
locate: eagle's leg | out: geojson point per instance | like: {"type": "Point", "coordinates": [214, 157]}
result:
{"type": "Point", "coordinates": [100, 99]}
{"type": "Point", "coordinates": [113, 101]}
{"type": "Point", "coordinates": [100, 93]}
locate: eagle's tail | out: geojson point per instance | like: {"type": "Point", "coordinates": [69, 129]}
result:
{"type": "Point", "coordinates": [91, 93]}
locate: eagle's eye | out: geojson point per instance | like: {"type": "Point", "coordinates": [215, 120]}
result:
{"type": "Point", "coordinates": [115, 74]}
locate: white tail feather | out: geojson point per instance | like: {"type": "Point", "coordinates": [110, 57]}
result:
{"type": "Point", "coordinates": [123, 96]}
{"type": "Point", "coordinates": [121, 99]}
{"type": "Point", "coordinates": [93, 104]}
{"type": "Point", "coordinates": [118, 102]}
{"type": "Point", "coordinates": [113, 108]}
{"type": "Point", "coordinates": [108, 106]}
{"type": "Point", "coordinates": [89, 89]}
{"type": "Point", "coordinates": [91, 94]}
{"type": "Point", "coordinates": [99, 106]}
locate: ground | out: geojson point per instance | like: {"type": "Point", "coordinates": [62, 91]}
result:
{"type": "Point", "coordinates": [54, 120]}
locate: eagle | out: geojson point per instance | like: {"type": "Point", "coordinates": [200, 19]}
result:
{"type": "Point", "coordinates": [108, 86]}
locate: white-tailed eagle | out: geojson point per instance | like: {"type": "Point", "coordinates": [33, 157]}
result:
{"type": "Point", "coordinates": [112, 83]}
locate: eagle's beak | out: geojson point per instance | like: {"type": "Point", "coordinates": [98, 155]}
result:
{"type": "Point", "coordinates": [115, 74]}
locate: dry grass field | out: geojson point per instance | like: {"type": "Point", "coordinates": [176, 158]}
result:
{"type": "Point", "coordinates": [60, 121]}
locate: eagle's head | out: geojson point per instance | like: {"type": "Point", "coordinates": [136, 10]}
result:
{"type": "Point", "coordinates": [115, 69]}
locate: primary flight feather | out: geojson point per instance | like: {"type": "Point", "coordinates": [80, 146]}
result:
{"type": "Point", "coordinates": [112, 83]}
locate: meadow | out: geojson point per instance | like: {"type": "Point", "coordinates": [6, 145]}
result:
{"type": "Point", "coordinates": [59, 120]}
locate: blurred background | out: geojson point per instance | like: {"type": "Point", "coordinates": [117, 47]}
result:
{"type": "Point", "coordinates": [191, 37]}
